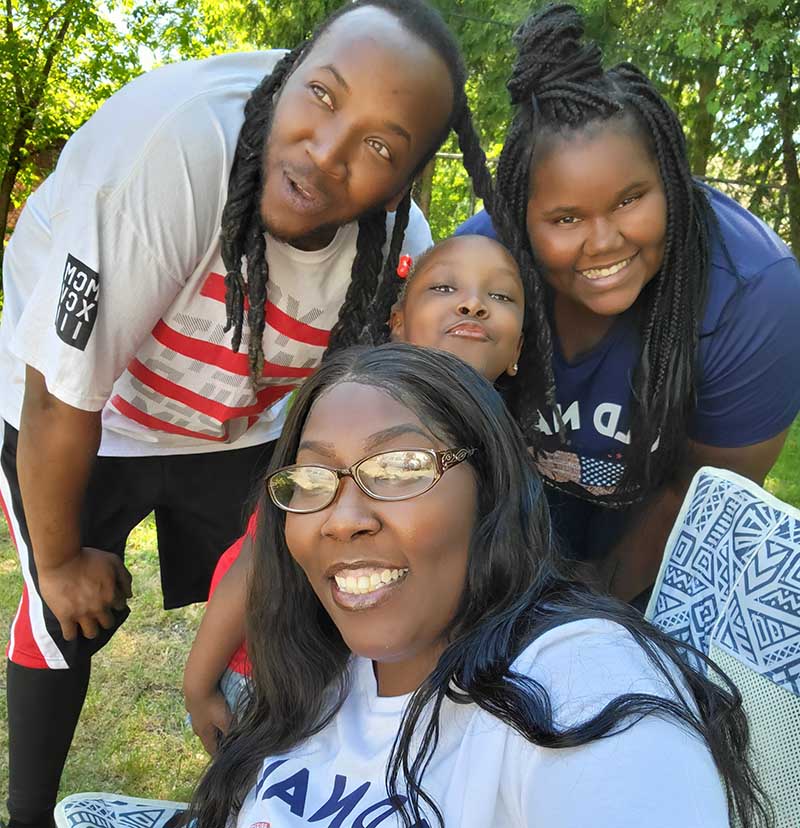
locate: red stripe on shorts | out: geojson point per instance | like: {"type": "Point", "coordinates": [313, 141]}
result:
{"type": "Point", "coordinates": [26, 650]}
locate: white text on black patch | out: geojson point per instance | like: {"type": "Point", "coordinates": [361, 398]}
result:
{"type": "Point", "coordinates": [77, 305]}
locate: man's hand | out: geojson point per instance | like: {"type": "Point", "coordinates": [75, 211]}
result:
{"type": "Point", "coordinates": [211, 718]}
{"type": "Point", "coordinates": [82, 590]}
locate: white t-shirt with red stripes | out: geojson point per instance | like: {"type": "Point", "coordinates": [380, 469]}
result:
{"type": "Point", "coordinates": [114, 284]}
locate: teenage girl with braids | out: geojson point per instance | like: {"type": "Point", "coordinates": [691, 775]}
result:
{"type": "Point", "coordinates": [465, 296]}
{"type": "Point", "coordinates": [117, 284]}
{"type": "Point", "coordinates": [665, 315]}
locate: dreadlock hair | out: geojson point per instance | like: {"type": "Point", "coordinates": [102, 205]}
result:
{"type": "Point", "coordinates": [373, 286]}
{"type": "Point", "coordinates": [559, 88]}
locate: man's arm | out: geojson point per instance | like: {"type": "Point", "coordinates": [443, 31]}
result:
{"type": "Point", "coordinates": [637, 556]}
{"type": "Point", "coordinates": [57, 447]}
{"type": "Point", "coordinates": [220, 634]}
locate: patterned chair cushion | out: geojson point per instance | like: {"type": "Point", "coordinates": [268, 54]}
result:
{"type": "Point", "coordinates": [733, 561]}
{"type": "Point", "coordinates": [107, 810]}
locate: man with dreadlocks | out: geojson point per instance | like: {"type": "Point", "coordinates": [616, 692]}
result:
{"type": "Point", "coordinates": [121, 394]}
{"type": "Point", "coordinates": [665, 315]}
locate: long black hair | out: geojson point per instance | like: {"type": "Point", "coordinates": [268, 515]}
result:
{"type": "Point", "coordinates": [514, 592]}
{"type": "Point", "coordinates": [373, 284]}
{"type": "Point", "coordinates": [558, 87]}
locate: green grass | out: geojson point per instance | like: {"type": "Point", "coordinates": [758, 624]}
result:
{"type": "Point", "coordinates": [784, 479]}
{"type": "Point", "coordinates": [131, 736]}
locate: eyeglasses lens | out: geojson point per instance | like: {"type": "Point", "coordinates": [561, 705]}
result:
{"type": "Point", "coordinates": [303, 489]}
{"type": "Point", "coordinates": [397, 474]}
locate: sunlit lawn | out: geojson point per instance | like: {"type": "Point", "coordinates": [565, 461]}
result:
{"type": "Point", "coordinates": [131, 736]}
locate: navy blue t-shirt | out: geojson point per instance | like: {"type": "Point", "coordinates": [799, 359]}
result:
{"type": "Point", "coordinates": [749, 379]}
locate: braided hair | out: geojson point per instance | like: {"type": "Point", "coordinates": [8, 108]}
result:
{"type": "Point", "coordinates": [558, 87]}
{"type": "Point", "coordinates": [374, 284]}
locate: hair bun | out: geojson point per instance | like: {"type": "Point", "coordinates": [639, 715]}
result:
{"type": "Point", "coordinates": [551, 53]}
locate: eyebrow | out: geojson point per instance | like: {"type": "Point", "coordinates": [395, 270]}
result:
{"type": "Point", "coordinates": [569, 210]}
{"type": "Point", "coordinates": [370, 444]}
{"type": "Point", "coordinates": [390, 125]}
{"type": "Point", "coordinates": [455, 267]}
{"type": "Point", "coordinates": [398, 130]}
{"type": "Point", "coordinates": [335, 72]}
{"type": "Point", "coordinates": [375, 440]}
{"type": "Point", "coordinates": [318, 447]}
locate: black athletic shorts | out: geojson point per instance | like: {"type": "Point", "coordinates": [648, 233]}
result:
{"type": "Point", "coordinates": [201, 504]}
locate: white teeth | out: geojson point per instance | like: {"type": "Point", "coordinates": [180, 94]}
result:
{"type": "Point", "coordinates": [600, 272]}
{"type": "Point", "coordinates": [364, 584]}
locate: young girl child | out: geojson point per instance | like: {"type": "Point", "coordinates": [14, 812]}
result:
{"type": "Point", "coordinates": [463, 295]}
{"type": "Point", "coordinates": [664, 314]}
{"type": "Point", "coordinates": [465, 682]}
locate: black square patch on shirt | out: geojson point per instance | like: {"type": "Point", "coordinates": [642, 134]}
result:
{"type": "Point", "coordinates": [77, 305]}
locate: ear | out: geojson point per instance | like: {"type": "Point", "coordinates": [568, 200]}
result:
{"type": "Point", "coordinates": [512, 368]}
{"type": "Point", "coordinates": [392, 204]}
{"type": "Point", "coordinates": [397, 322]}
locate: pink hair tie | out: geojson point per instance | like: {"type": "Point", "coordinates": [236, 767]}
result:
{"type": "Point", "coordinates": [404, 266]}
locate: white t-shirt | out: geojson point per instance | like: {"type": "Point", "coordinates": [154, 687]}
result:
{"type": "Point", "coordinates": [485, 775]}
{"type": "Point", "coordinates": [114, 283]}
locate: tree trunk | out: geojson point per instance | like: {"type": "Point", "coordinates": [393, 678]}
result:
{"type": "Point", "coordinates": [425, 187]}
{"type": "Point", "coordinates": [788, 124]}
{"type": "Point", "coordinates": [27, 116]}
{"type": "Point", "coordinates": [10, 173]}
{"type": "Point", "coordinates": [701, 139]}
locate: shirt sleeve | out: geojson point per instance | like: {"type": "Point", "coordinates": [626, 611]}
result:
{"type": "Point", "coordinates": [749, 387]}
{"type": "Point", "coordinates": [656, 773]}
{"type": "Point", "coordinates": [478, 225]}
{"type": "Point", "coordinates": [118, 254]}
{"type": "Point", "coordinates": [418, 233]}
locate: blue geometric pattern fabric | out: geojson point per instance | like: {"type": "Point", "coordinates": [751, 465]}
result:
{"type": "Point", "coordinates": [105, 810]}
{"type": "Point", "coordinates": [731, 573]}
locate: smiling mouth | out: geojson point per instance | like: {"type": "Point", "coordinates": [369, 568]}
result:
{"type": "Point", "coordinates": [363, 584]}
{"type": "Point", "coordinates": [366, 586]}
{"type": "Point", "coordinates": [469, 330]}
{"type": "Point", "coordinates": [605, 272]}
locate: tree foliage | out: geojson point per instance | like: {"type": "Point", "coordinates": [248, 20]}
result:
{"type": "Point", "coordinates": [731, 69]}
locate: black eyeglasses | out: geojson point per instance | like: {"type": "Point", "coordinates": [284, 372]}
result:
{"type": "Point", "coordinates": [388, 475]}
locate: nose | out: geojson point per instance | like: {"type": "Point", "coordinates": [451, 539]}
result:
{"type": "Point", "coordinates": [351, 515]}
{"type": "Point", "coordinates": [472, 306]}
{"type": "Point", "coordinates": [604, 237]}
{"type": "Point", "coordinates": [327, 148]}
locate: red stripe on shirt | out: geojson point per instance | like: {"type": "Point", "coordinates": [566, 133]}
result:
{"type": "Point", "coordinates": [214, 288]}
{"type": "Point", "coordinates": [132, 413]}
{"type": "Point", "coordinates": [219, 355]}
{"type": "Point", "coordinates": [198, 402]}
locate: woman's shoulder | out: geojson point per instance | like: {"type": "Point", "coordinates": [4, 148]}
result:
{"type": "Point", "coordinates": [740, 241]}
{"type": "Point", "coordinates": [747, 257]}
{"type": "Point", "coordinates": [585, 664]}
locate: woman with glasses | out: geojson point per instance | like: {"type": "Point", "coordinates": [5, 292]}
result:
{"type": "Point", "coordinates": [417, 656]}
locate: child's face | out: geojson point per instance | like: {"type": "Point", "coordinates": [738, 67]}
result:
{"type": "Point", "coordinates": [350, 126]}
{"type": "Point", "coordinates": [597, 219]}
{"type": "Point", "coordinates": [467, 298]}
